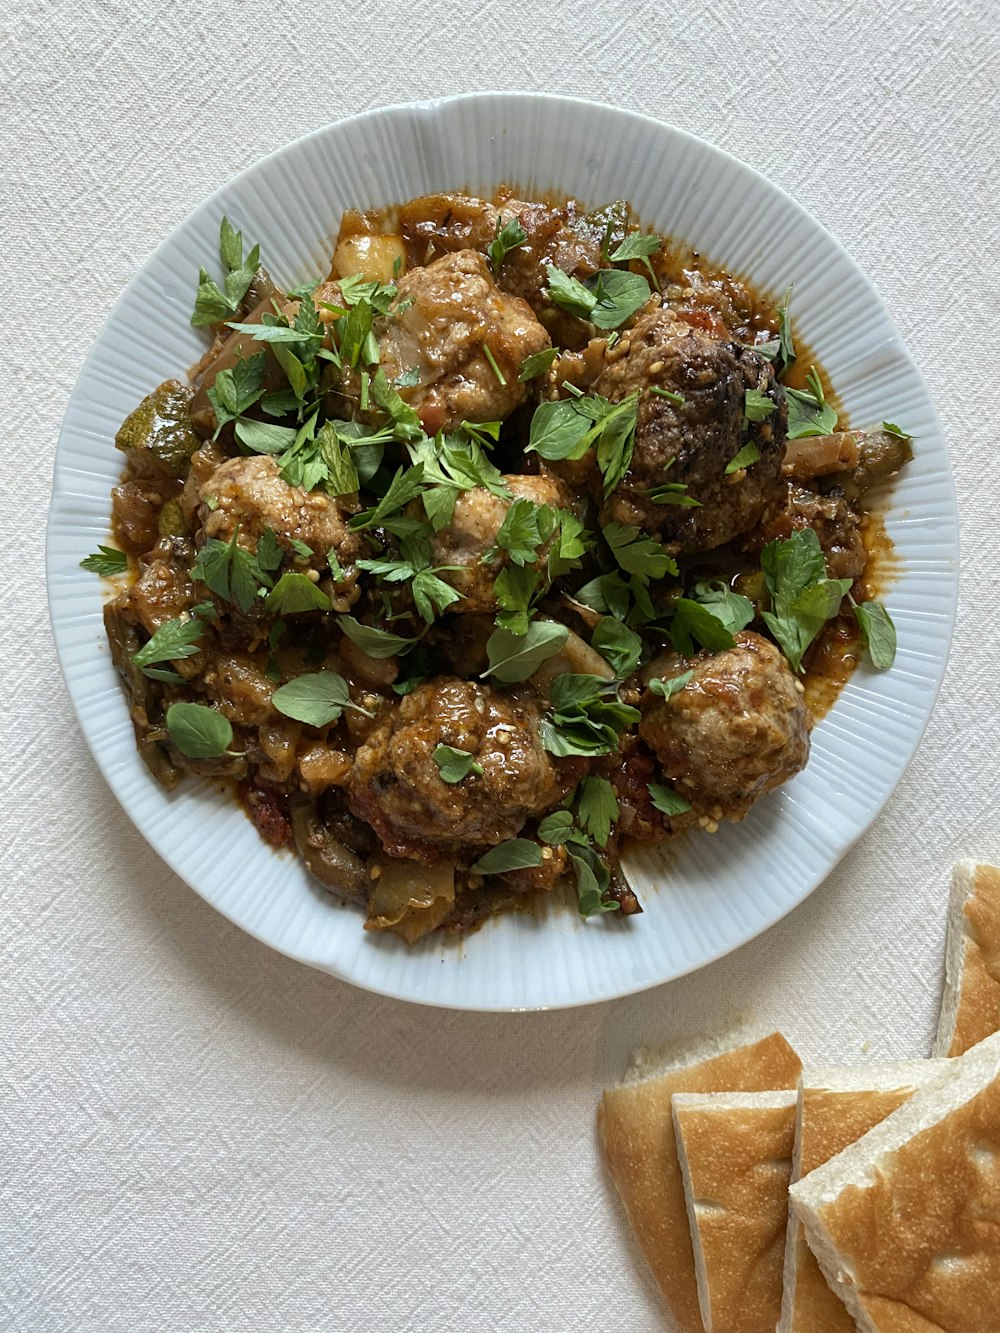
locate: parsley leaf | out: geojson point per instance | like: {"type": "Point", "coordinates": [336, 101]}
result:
{"type": "Point", "coordinates": [694, 623]}
{"type": "Point", "coordinates": [668, 688]}
{"type": "Point", "coordinates": [745, 457]}
{"type": "Point", "coordinates": [586, 717]}
{"type": "Point", "coordinates": [667, 800]}
{"type": "Point", "coordinates": [637, 246]}
{"type": "Point", "coordinates": [891, 428]}
{"type": "Point", "coordinates": [671, 493]}
{"type": "Point", "coordinates": [515, 657]}
{"type": "Point", "coordinates": [431, 595]}
{"type": "Point", "coordinates": [598, 808]}
{"type": "Point", "coordinates": [295, 593]}
{"type": "Point", "coordinates": [236, 389]}
{"type": "Point", "coordinates": [520, 534]}
{"type": "Point", "coordinates": [354, 334]}
{"type": "Point", "coordinates": [315, 699]}
{"type": "Point", "coordinates": [618, 296]}
{"type": "Point", "coordinates": [405, 422]}
{"type": "Point", "coordinates": [732, 608]}
{"type": "Point", "coordinates": [593, 879]}
{"type": "Point", "coordinates": [570, 293]}
{"type": "Point", "coordinates": [786, 345]}
{"type": "Point", "coordinates": [379, 643]}
{"type": "Point", "coordinates": [509, 236]}
{"type": "Point", "coordinates": [341, 470]}
{"type": "Point", "coordinates": [808, 411]}
{"type": "Point", "coordinates": [106, 561]}
{"type": "Point", "coordinates": [614, 431]}
{"type": "Point", "coordinates": [269, 552]}
{"type": "Point", "coordinates": [570, 543]}
{"type": "Point", "coordinates": [214, 305]}
{"type": "Point", "coordinates": [174, 639]}
{"type": "Point", "coordinates": [405, 486]}
{"type": "Point", "coordinates": [454, 765]}
{"type": "Point", "coordinates": [878, 632]}
{"type": "Point", "coordinates": [618, 645]}
{"type": "Point", "coordinates": [802, 597]}
{"type": "Point", "coordinates": [514, 854]}
{"type": "Point", "coordinates": [757, 406]}
{"type": "Point", "coordinates": [515, 590]}
{"type": "Point", "coordinates": [637, 554]}
{"type": "Point", "coordinates": [231, 572]}
{"type": "Point", "coordinates": [199, 731]}
{"type": "Point", "coordinates": [537, 364]}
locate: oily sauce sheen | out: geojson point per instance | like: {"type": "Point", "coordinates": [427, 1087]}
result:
{"type": "Point", "coordinates": [838, 648]}
{"type": "Point", "coordinates": [423, 555]}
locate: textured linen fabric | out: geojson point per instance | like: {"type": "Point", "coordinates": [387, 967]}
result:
{"type": "Point", "coordinates": [198, 1134]}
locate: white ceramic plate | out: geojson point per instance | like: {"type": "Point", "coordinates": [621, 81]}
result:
{"type": "Point", "coordinates": [703, 897]}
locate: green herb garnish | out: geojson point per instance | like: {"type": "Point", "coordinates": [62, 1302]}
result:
{"type": "Point", "coordinates": [106, 561]}
{"type": "Point", "coordinates": [212, 304]}
{"type": "Point", "coordinates": [514, 854]}
{"type": "Point", "coordinates": [454, 765]}
{"type": "Point", "coordinates": [666, 799]}
{"type": "Point", "coordinates": [878, 632]}
{"type": "Point", "coordinates": [199, 731]}
{"type": "Point", "coordinates": [316, 699]}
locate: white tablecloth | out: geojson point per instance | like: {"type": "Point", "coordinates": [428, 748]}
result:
{"type": "Point", "coordinates": [199, 1135]}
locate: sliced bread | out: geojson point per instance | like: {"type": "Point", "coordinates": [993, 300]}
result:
{"type": "Point", "coordinates": [636, 1131]}
{"type": "Point", "coordinates": [836, 1106]}
{"type": "Point", "coordinates": [735, 1153]}
{"type": "Point", "coordinates": [905, 1223]}
{"type": "Point", "coordinates": [970, 1009]}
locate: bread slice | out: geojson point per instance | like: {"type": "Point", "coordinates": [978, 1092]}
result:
{"type": "Point", "coordinates": [637, 1137]}
{"type": "Point", "coordinates": [905, 1223]}
{"type": "Point", "coordinates": [735, 1153]}
{"type": "Point", "coordinates": [836, 1106]}
{"type": "Point", "coordinates": [970, 1009]}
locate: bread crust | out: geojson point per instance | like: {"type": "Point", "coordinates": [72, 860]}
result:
{"type": "Point", "coordinates": [906, 1222]}
{"type": "Point", "coordinates": [971, 1007]}
{"type": "Point", "coordinates": [836, 1107]}
{"type": "Point", "coordinates": [636, 1131]}
{"type": "Point", "coordinates": [736, 1157]}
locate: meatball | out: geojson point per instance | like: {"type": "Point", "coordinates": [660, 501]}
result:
{"type": "Point", "coordinates": [693, 441]}
{"type": "Point", "coordinates": [396, 786]}
{"type": "Point", "coordinates": [560, 236]}
{"type": "Point", "coordinates": [739, 728]}
{"type": "Point", "coordinates": [251, 493]}
{"type": "Point", "coordinates": [477, 519]}
{"type": "Point", "coordinates": [834, 522]}
{"type": "Point", "coordinates": [446, 322]}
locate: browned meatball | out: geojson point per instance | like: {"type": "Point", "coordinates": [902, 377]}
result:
{"type": "Point", "coordinates": [739, 728]}
{"type": "Point", "coordinates": [250, 492]}
{"type": "Point", "coordinates": [834, 522]}
{"type": "Point", "coordinates": [443, 321]}
{"type": "Point", "coordinates": [693, 441]}
{"type": "Point", "coordinates": [477, 519]}
{"type": "Point", "coordinates": [560, 236]}
{"type": "Point", "coordinates": [396, 785]}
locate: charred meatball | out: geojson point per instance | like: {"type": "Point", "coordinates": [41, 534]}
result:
{"type": "Point", "coordinates": [441, 324]}
{"type": "Point", "coordinates": [249, 492]}
{"type": "Point", "coordinates": [396, 785]}
{"type": "Point", "coordinates": [473, 529]}
{"type": "Point", "coordinates": [739, 728]}
{"type": "Point", "coordinates": [693, 441]}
